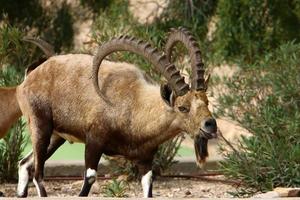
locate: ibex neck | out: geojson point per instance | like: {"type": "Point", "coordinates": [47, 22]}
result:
{"type": "Point", "coordinates": [155, 119]}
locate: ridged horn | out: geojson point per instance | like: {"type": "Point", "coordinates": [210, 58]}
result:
{"type": "Point", "coordinates": [144, 49]}
{"type": "Point", "coordinates": [187, 39]}
{"type": "Point", "coordinates": [43, 45]}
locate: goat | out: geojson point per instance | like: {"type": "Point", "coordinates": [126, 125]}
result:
{"type": "Point", "coordinates": [117, 112]}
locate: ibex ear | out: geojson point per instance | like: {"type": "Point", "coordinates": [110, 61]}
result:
{"type": "Point", "coordinates": [206, 81]}
{"type": "Point", "coordinates": [167, 94]}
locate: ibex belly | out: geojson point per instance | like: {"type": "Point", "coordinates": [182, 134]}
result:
{"type": "Point", "coordinates": [68, 137]}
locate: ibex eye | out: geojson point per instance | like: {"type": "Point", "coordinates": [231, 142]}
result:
{"type": "Point", "coordinates": [184, 109]}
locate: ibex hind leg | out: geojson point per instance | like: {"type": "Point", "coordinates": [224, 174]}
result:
{"type": "Point", "coordinates": [25, 168]}
{"type": "Point", "coordinates": [41, 130]}
{"type": "Point", "coordinates": [26, 165]}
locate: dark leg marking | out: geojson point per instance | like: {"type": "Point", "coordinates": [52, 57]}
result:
{"type": "Point", "coordinates": [93, 154]}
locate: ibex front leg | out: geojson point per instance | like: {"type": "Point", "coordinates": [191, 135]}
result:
{"type": "Point", "coordinates": [93, 152]}
{"type": "Point", "coordinates": [147, 178]}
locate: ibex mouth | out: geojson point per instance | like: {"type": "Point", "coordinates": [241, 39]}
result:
{"type": "Point", "coordinates": [208, 135]}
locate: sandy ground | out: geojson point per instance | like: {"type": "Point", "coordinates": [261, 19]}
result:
{"type": "Point", "coordinates": [163, 187]}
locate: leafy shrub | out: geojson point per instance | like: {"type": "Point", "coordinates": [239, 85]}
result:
{"type": "Point", "coordinates": [173, 16]}
{"type": "Point", "coordinates": [164, 158]}
{"type": "Point", "coordinates": [265, 99]}
{"type": "Point", "coordinates": [54, 24]}
{"type": "Point", "coordinates": [247, 29]}
{"type": "Point", "coordinates": [11, 148]}
{"type": "Point", "coordinates": [115, 188]}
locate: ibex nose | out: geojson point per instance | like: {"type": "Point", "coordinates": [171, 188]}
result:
{"type": "Point", "coordinates": [210, 127]}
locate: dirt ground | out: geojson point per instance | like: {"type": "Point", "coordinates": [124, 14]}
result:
{"type": "Point", "coordinates": [163, 187]}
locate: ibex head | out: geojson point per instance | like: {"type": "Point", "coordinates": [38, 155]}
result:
{"type": "Point", "coordinates": [189, 102]}
{"type": "Point", "coordinates": [193, 105]}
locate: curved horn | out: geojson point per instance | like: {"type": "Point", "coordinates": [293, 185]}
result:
{"type": "Point", "coordinates": [43, 45]}
{"type": "Point", "coordinates": [134, 45]}
{"type": "Point", "coordinates": [187, 39]}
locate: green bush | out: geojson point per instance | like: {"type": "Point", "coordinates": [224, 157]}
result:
{"type": "Point", "coordinates": [248, 29]}
{"type": "Point", "coordinates": [11, 149]}
{"type": "Point", "coordinates": [174, 15]}
{"type": "Point", "coordinates": [115, 188]}
{"type": "Point", "coordinates": [265, 99]}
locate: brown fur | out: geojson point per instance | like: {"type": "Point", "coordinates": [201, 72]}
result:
{"type": "Point", "coordinates": [10, 111]}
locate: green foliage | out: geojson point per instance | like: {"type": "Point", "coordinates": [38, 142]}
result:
{"type": "Point", "coordinates": [15, 55]}
{"type": "Point", "coordinates": [164, 158]}
{"type": "Point", "coordinates": [25, 13]}
{"type": "Point", "coordinates": [193, 15]}
{"type": "Point", "coordinates": [62, 28]}
{"type": "Point", "coordinates": [117, 14]}
{"type": "Point", "coordinates": [247, 29]}
{"type": "Point", "coordinates": [115, 188]}
{"type": "Point", "coordinates": [121, 166]}
{"type": "Point", "coordinates": [11, 50]}
{"type": "Point", "coordinates": [54, 24]}
{"type": "Point", "coordinates": [96, 5]}
{"type": "Point", "coordinates": [265, 99]}
{"type": "Point", "coordinates": [11, 148]}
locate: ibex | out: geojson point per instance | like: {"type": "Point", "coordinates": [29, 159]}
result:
{"type": "Point", "coordinates": [112, 109]}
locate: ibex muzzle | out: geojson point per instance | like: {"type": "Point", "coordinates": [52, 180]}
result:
{"type": "Point", "coordinates": [209, 128]}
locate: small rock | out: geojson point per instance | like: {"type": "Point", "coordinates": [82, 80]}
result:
{"type": "Point", "coordinates": [267, 195]}
{"type": "Point", "coordinates": [76, 184]}
{"type": "Point", "coordinates": [95, 188]}
{"type": "Point", "coordinates": [203, 196]}
{"type": "Point", "coordinates": [187, 192]}
{"type": "Point", "coordinates": [287, 192]}
{"type": "Point", "coordinates": [66, 189]}
{"type": "Point", "coordinates": [1, 194]}
{"type": "Point", "coordinates": [107, 176]}
{"type": "Point", "coordinates": [170, 195]}
{"type": "Point", "coordinates": [56, 188]}
{"type": "Point", "coordinates": [206, 190]}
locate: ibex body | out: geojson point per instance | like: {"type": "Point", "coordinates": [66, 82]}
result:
{"type": "Point", "coordinates": [131, 117]}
